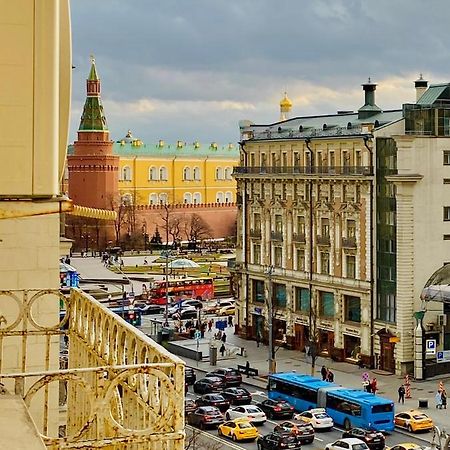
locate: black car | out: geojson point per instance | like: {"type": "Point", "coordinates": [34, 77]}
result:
{"type": "Point", "coordinates": [279, 441]}
{"type": "Point", "coordinates": [231, 376]}
{"type": "Point", "coordinates": [205, 416]}
{"type": "Point", "coordinates": [303, 430]}
{"type": "Point", "coordinates": [374, 439]}
{"type": "Point", "coordinates": [217, 400]}
{"type": "Point", "coordinates": [208, 385]}
{"type": "Point", "coordinates": [277, 409]}
{"type": "Point", "coordinates": [185, 314]}
{"type": "Point", "coordinates": [237, 396]}
{"type": "Point", "coordinates": [189, 375]}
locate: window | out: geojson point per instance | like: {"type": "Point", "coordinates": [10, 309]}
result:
{"type": "Point", "coordinates": [219, 173]}
{"type": "Point", "coordinates": [325, 227]}
{"type": "Point", "coordinates": [187, 198]}
{"type": "Point", "coordinates": [302, 302]}
{"type": "Point", "coordinates": [301, 225]}
{"type": "Point", "coordinates": [256, 254]}
{"type": "Point", "coordinates": [279, 295]}
{"type": "Point", "coordinates": [446, 213]}
{"type": "Point", "coordinates": [219, 197]}
{"type": "Point", "coordinates": [446, 157]}
{"type": "Point", "coordinates": [196, 173]}
{"type": "Point", "coordinates": [152, 173]}
{"type": "Point", "coordinates": [163, 199]}
{"type": "Point", "coordinates": [278, 256]}
{"type": "Point", "coordinates": [300, 254]}
{"type": "Point", "coordinates": [187, 174]}
{"type": "Point", "coordinates": [163, 173]}
{"type": "Point", "coordinates": [324, 262]}
{"type": "Point", "coordinates": [263, 160]}
{"type": "Point", "coordinates": [344, 406]}
{"type": "Point", "coordinates": [351, 229]}
{"type": "Point", "coordinates": [257, 222]}
{"type": "Point", "coordinates": [252, 160]}
{"type": "Point", "coordinates": [386, 307]}
{"type": "Point", "coordinates": [278, 223]}
{"type": "Point", "coordinates": [351, 266]}
{"type": "Point", "coordinates": [326, 304]}
{"type": "Point", "coordinates": [228, 197]}
{"type": "Point", "coordinates": [352, 308]}
{"type": "Point", "coordinates": [227, 173]}
{"type": "Point", "coordinates": [197, 198]}
{"type": "Point", "coordinates": [153, 199]}
{"type": "Point", "coordinates": [258, 291]}
{"type": "Point", "coordinates": [126, 173]}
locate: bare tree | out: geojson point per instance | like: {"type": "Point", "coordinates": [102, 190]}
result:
{"type": "Point", "coordinates": [200, 440]}
{"type": "Point", "coordinates": [196, 229]}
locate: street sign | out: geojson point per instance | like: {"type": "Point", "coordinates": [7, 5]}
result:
{"type": "Point", "coordinates": [430, 346]}
{"type": "Point", "coordinates": [443, 356]}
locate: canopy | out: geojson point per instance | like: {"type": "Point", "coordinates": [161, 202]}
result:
{"type": "Point", "coordinates": [437, 288]}
{"type": "Point", "coordinates": [182, 263]}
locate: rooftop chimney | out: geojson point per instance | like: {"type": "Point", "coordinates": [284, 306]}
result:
{"type": "Point", "coordinates": [421, 86]}
{"type": "Point", "coordinates": [370, 108]}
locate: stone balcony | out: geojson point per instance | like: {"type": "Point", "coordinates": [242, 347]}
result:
{"type": "Point", "coordinates": [115, 388]}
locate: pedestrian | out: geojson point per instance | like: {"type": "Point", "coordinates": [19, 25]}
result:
{"type": "Point", "coordinates": [330, 376]}
{"type": "Point", "coordinates": [257, 339]}
{"type": "Point", "coordinates": [222, 349]}
{"type": "Point", "coordinates": [444, 399]}
{"type": "Point", "coordinates": [210, 324]}
{"type": "Point", "coordinates": [438, 399]}
{"type": "Point", "coordinates": [230, 321]}
{"type": "Point", "coordinates": [247, 368]}
{"type": "Point", "coordinates": [224, 338]}
{"type": "Point", "coordinates": [401, 394]}
{"type": "Point", "coordinates": [145, 262]}
{"type": "Point", "coordinates": [324, 371]}
{"type": "Point", "coordinates": [374, 386]}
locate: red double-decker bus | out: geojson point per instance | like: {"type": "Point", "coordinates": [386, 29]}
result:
{"type": "Point", "coordinates": [201, 288]}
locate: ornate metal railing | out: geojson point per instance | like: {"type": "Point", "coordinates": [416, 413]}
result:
{"type": "Point", "coordinates": [323, 240]}
{"type": "Point", "coordinates": [299, 237]}
{"type": "Point", "coordinates": [349, 242]}
{"type": "Point", "coordinates": [118, 388]}
{"type": "Point", "coordinates": [276, 235]}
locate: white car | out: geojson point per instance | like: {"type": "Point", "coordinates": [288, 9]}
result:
{"type": "Point", "coordinates": [253, 413]}
{"type": "Point", "coordinates": [185, 305]}
{"type": "Point", "coordinates": [317, 417]}
{"type": "Point", "coordinates": [347, 444]}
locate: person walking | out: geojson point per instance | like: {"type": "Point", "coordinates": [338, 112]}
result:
{"type": "Point", "coordinates": [222, 350]}
{"type": "Point", "coordinates": [401, 394]}
{"type": "Point", "coordinates": [444, 399]}
{"type": "Point", "coordinates": [224, 338]}
{"type": "Point", "coordinates": [230, 321]}
{"type": "Point", "coordinates": [374, 386]}
{"type": "Point", "coordinates": [330, 376]}
{"type": "Point", "coordinates": [324, 371]}
{"type": "Point", "coordinates": [210, 324]}
{"type": "Point", "coordinates": [438, 400]}
{"type": "Point", "coordinates": [247, 368]}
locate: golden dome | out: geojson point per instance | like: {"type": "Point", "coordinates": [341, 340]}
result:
{"type": "Point", "coordinates": [285, 102]}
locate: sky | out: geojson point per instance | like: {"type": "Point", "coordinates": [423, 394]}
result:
{"type": "Point", "coordinates": [191, 69]}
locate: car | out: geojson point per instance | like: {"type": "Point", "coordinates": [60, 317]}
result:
{"type": "Point", "coordinates": [255, 414]}
{"type": "Point", "coordinates": [189, 406]}
{"type": "Point", "coordinates": [205, 417]}
{"type": "Point", "coordinates": [278, 441]}
{"type": "Point", "coordinates": [347, 444]}
{"type": "Point", "coordinates": [304, 431]}
{"type": "Point", "coordinates": [208, 385]}
{"type": "Point", "coordinates": [190, 375]}
{"type": "Point", "coordinates": [217, 400]}
{"type": "Point", "coordinates": [374, 439]}
{"type": "Point", "coordinates": [214, 308]}
{"type": "Point", "coordinates": [146, 309]}
{"type": "Point", "coordinates": [185, 314]}
{"type": "Point", "coordinates": [190, 304]}
{"type": "Point", "coordinates": [408, 446]}
{"type": "Point", "coordinates": [413, 421]}
{"type": "Point", "coordinates": [276, 408]}
{"type": "Point", "coordinates": [227, 310]}
{"type": "Point", "coordinates": [237, 395]}
{"type": "Point", "coordinates": [238, 430]}
{"type": "Point", "coordinates": [230, 376]}
{"type": "Point", "coordinates": [317, 417]}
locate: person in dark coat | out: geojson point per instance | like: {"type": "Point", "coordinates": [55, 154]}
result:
{"type": "Point", "coordinates": [330, 376]}
{"type": "Point", "coordinates": [401, 394]}
{"type": "Point", "coordinates": [324, 371]}
{"type": "Point", "coordinates": [222, 349]}
{"type": "Point", "coordinates": [224, 338]}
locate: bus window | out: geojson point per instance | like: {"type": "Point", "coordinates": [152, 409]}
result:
{"type": "Point", "coordinates": [345, 407]}
{"type": "Point", "coordinates": [387, 407]}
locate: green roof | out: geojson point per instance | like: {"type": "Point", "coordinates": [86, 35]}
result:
{"type": "Point", "coordinates": [93, 118]}
{"type": "Point", "coordinates": [432, 94]}
{"type": "Point", "coordinates": [93, 73]}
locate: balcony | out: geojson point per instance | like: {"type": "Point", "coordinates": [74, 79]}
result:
{"type": "Point", "coordinates": [323, 240]}
{"type": "Point", "coordinates": [299, 237]}
{"type": "Point", "coordinates": [115, 387]}
{"type": "Point", "coordinates": [255, 234]}
{"type": "Point", "coordinates": [349, 242]}
{"type": "Point", "coordinates": [276, 236]}
{"type": "Point", "coordinates": [304, 170]}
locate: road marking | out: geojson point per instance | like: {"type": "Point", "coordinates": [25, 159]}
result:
{"type": "Point", "coordinates": [318, 439]}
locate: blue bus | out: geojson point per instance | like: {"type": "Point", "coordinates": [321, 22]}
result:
{"type": "Point", "coordinates": [347, 407]}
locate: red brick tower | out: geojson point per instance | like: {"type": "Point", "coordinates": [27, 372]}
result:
{"type": "Point", "coordinates": [93, 169]}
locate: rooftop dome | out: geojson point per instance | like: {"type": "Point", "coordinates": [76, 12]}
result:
{"type": "Point", "coordinates": [285, 102]}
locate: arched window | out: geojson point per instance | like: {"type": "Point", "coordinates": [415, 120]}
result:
{"type": "Point", "coordinates": [197, 198]}
{"type": "Point", "coordinates": [228, 172]}
{"type": "Point", "coordinates": [163, 198]}
{"type": "Point", "coordinates": [219, 197]}
{"type": "Point", "coordinates": [127, 199]}
{"type": "Point", "coordinates": [153, 173]}
{"type": "Point", "coordinates": [196, 173]}
{"type": "Point", "coordinates": [187, 173]}
{"type": "Point", "coordinates": [187, 197]}
{"type": "Point", "coordinates": [153, 199]}
{"type": "Point", "coordinates": [126, 173]}
{"type": "Point", "coordinates": [228, 197]}
{"type": "Point", "coordinates": [219, 173]}
{"type": "Point", "coordinates": [163, 173]}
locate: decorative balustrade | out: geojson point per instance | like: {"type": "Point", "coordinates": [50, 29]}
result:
{"type": "Point", "coordinates": [276, 235]}
{"type": "Point", "coordinates": [299, 237]}
{"type": "Point", "coordinates": [118, 389]}
{"type": "Point", "coordinates": [349, 242]}
{"type": "Point", "coordinates": [323, 240]}
{"type": "Point", "coordinates": [255, 233]}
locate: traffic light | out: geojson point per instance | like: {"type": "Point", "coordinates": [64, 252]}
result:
{"type": "Point", "coordinates": [132, 318]}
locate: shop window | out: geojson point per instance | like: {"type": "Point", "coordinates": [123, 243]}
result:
{"type": "Point", "coordinates": [386, 307]}
{"type": "Point", "coordinates": [300, 259]}
{"type": "Point", "coordinates": [326, 304]}
{"type": "Point", "coordinates": [279, 295]}
{"type": "Point", "coordinates": [352, 307]}
{"type": "Point", "coordinates": [256, 254]}
{"type": "Point", "coordinates": [324, 262]}
{"type": "Point", "coordinates": [302, 302]}
{"type": "Point", "coordinates": [258, 291]}
{"type": "Point", "coordinates": [350, 261]}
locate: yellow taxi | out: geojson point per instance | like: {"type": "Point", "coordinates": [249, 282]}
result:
{"type": "Point", "coordinates": [239, 430]}
{"type": "Point", "coordinates": [413, 421]}
{"type": "Point", "coordinates": [406, 446]}
{"type": "Point", "coordinates": [227, 311]}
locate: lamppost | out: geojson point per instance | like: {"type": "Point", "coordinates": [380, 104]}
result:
{"type": "Point", "coordinates": [269, 300]}
{"type": "Point", "coordinates": [144, 234]}
{"type": "Point", "coordinates": [86, 237]}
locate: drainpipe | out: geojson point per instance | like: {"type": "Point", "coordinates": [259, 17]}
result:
{"type": "Point", "coordinates": [372, 259]}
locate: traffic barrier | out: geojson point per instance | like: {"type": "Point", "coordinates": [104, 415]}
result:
{"type": "Point", "coordinates": [407, 386]}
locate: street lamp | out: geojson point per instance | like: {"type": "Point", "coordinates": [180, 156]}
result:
{"type": "Point", "coordinates": [272, 362]}
{"type": "Point", "coordinates": [144, 234]}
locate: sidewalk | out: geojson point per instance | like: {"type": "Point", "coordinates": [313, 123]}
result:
{"type": "Point", "coordinates": [348, 375]}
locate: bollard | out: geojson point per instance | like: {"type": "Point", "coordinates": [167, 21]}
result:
{"type": "Point", "coordinates": [407, 387]}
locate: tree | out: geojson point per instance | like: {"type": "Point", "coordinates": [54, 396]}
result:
{"type": "Point", "coordinates": [196, 230]}
{"type": "Point", "coordinates": [200, 440]}
{"type": "Point", "coordinates": [314, 334]}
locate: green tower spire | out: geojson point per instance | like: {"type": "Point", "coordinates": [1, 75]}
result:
{"type": "Point", "coordinates": [93, 118]}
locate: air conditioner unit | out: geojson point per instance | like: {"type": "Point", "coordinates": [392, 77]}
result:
{"type": "Point", "coordinates": [442, 320]}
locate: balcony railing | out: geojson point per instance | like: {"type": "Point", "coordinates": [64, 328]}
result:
{"type": "Point", "coordinates": [304, 170]}
{"type": "Point", "coordinates": [299, 237]}
{"type": "Point", "coordinates": [276, 235]}
{"type": "Point", "coordinates": [323, 240]}
{"type": "Point", "coordinates": [255, 233]}
{"type": "Point", "coordinates": [349, 242]}
{"type": "Point", "coordinates": [117, 388]}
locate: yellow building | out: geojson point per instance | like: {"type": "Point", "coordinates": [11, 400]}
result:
{"type": "Point", "coordinates": [151, 174]}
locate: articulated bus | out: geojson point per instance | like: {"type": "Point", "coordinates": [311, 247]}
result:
{"type": "Point", "coordinates": [201, 288]}
{"type": "Point", "coordinates": [347, 407]}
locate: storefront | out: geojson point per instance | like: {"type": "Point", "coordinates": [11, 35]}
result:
{"type": "Point", "coordinates": [301, 336]}
{"type": "Point", "coordinates": [326, 342]}
{"type": "Point", "coordinates": [352, 347]}
{"type": "Point", "coordinates": [386, 360]}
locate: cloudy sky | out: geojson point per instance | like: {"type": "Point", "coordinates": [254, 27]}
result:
{"type": "Point", "coordinates": [191, 69]}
